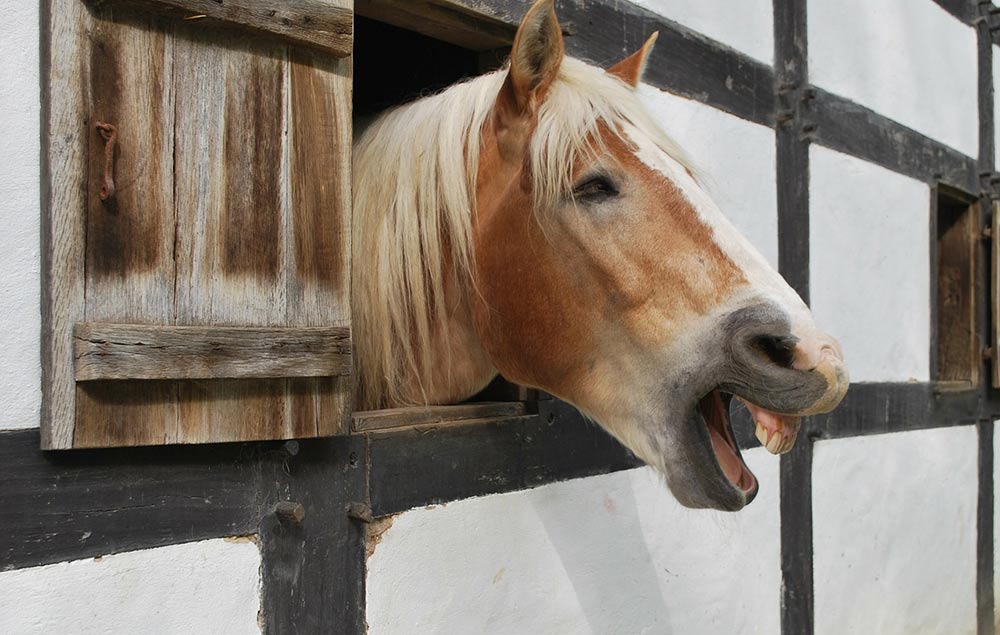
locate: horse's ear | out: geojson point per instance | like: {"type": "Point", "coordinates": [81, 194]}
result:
{"type": "Point", "coordinates": [631, 68]}
{"type": "Point", "coordinates": [536, 55]}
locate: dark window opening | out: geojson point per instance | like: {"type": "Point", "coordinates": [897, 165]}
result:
{"type": "Point", "coordinates": [394, 66]}
{"type": "Point", "coordinates": [957, 356]}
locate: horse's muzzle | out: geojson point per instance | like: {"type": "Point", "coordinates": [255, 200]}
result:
{"type": "Point", "coordinates": [782, 371]}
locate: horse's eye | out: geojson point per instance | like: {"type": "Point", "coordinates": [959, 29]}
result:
{"type": "Point", "coordinates": [595, 189]}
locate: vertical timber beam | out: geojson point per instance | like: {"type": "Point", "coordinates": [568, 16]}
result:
{"type": "Point", "coordinates": [985, 609]}
{"type": "Point", "coordinates": [793, 131]}
{"type": "Point", "coordinates": [984, 538]}
{"type": "Point", "coordinates": [312, 552]}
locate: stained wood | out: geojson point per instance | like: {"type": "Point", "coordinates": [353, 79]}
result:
{"type": "Point", "coordinates": [325, 25]}
{"type": "Point", "coordinates": [995, 294]}
{"type": "Point", "coordinates": [319, 241]}
{"type": "Point", "coordinates": [65, 135]}
{"type": "Point", "coordinates": [372, 420]}
{"type": "Point", "coordinates": [130, 237]}
{"type": "Point", "coordinates": [135, 351]}
{"type": "Point", "coordinates": [958, 351]}
{"type": "Point", "coordinates": [231, 252]}
{"type": "Point", "coordinates": [465, 23]}
{"type": "Point", "coordinates": [232, 211]}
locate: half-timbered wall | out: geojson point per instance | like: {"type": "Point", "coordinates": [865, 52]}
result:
{"type": "Point", "coordinates": [881, 521]}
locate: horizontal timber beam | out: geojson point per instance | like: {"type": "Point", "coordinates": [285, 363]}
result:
{"type": "Point", "coordinates": [848, 127]}
{"type": "Point", "coordinates": [318, 24]}
{"type": "Point", "coordinates": [422, 416]}
{"type": "Point", "coordinates": [57, 506]}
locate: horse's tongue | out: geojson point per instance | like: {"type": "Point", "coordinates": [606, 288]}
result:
{"type": "Point", "coordinates": [774, 431]}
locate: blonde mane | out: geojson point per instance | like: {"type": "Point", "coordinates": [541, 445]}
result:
{"type": "Point", "coordinates": [414, 200]}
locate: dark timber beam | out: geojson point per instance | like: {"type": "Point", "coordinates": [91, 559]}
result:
{"type": "Point", "coordinates": [792, 136]}
{"type": "Point", "coordinates": [853, 129]}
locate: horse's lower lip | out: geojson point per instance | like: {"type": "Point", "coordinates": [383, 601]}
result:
{"type": "Point", "coordinates": [715, 413]}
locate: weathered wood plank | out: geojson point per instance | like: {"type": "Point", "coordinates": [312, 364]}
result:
{"type": "Point", "coordinates": [394, 418]}
{"type": "Point", "coordinates": [231, 209]}
{"type": "Point", "coordinates": [464, 23]}
{"type": "Point", "coordinates": [995, 295]}
{"type": "Point", "coordinates": [64, 200]}
{"type": "Point", "coordinates": [318, 233]}
{"type": "Point", "coordinates": [129, 240]}
{"type": "Point", "coordinates": [324, 25]}
{"type": "Point", "coordinates": [137, 351]}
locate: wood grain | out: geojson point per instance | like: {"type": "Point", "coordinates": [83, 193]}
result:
{"type": "Point", "coordinates": [958, 350]}
{"type": "Point", "coordinates": [137, 351]}
{"type": "Point", "coordinates": [230, 94]}
{"type": "Point", "coordinates": [395, 418]}
{"type": "Point", "coordinates": [130, 238]}
{"type": "Point", "coordinates": [463, 23]}
{"type": "Point", "coordinates": [231, 217]}
{"type": "Point", "coordinates": [65, 128]}
{"type": "Point", "coordinates": [325, 25]}
{"type": "Point", "coordinates": [319, 239]}
{"type": "Point", "coordinates": [995, 294]}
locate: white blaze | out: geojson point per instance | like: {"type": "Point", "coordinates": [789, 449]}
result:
{"type": "Point", "coordinates": [763, 281]}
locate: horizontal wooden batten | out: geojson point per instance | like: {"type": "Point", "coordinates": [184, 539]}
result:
{"type": "Point", "coordinates": [396, 418]}
{"type": "Point", "coordinates": [317, 24]}
{"type": "Point", "coordinates": [138, 351]}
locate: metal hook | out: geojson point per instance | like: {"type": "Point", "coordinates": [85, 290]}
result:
{"type": "Point", "coordinates": [109, 133]}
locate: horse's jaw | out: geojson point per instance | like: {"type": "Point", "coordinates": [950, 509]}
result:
{"type": "Point", "coordinates": [695, 449]}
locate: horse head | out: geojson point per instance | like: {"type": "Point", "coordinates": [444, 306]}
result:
{"type": "Point", "coordinates": [610, 279]}
{"type": "Point", "coordinates": [587, 261]}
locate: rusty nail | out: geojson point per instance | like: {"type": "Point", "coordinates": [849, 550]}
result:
{"type": "Point", "coordinates": [290, 512]}
{"type": "Point", "coordinates": [109, 133]}
{"type": "Point", "coordinates": [360, 512]}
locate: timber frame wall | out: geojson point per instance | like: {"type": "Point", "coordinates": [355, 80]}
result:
{"type": "Point", "coordinates": [69, 505]}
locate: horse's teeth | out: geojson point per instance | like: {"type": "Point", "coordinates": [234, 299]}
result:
{"type": "Point", "coordinates": [774, 446]}
{"type": "Point", "coordinates": [761, 433]}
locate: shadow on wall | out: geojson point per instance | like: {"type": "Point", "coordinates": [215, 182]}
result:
{"type": "Point", "coordinates": [606, 559]}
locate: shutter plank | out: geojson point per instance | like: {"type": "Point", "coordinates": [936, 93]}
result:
{"type": "Point", "coordinates": [136, 351]}
{"type": "Point", "coordinates": [231, 206]}
{"type": "Point", "coordinates": [319, 232]}
{"type": "Point", "coordinates": [325, 25]}
{"type": "Point", "coordinates": [130, 237]}
{"type": "Point", "coordinates": [64, 166]}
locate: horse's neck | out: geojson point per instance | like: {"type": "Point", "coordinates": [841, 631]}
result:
{"type": "Point", "coordinates": [460, 367]}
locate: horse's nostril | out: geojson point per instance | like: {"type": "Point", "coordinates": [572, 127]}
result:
{"type": "Point", "coordinates": [778, 349]}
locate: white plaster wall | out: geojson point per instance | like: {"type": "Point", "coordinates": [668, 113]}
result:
{"type": "Point", "coordinates": [745, 25]}
{"type": "Point", "coordinates": [20, 372]}
{"type": "Point", "coordinates": [736, 157]}
{"type": "Point", "coordinates": [606, 554]}
{"type": "Point", "coordinates": [870, 265]}
{"type": "Point", "coordinates": [907, 59]}
{"type": "Point", "coordinates": [210, 587]}
{"type": "Point", "coordinates": [895, 533]}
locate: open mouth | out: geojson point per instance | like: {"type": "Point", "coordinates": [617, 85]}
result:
{"type": "Point", "coordinates": [714, 409]}
{"type": "Point", "coordinates": [776, 432]}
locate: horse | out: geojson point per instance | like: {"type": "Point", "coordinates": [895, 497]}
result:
{"type": "Point", "coordinates": [537, 223]}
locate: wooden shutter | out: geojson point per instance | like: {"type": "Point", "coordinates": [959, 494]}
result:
{"type": "Point", "coordinates": [995, 293]}
{"type": "Point", "coordinates": [208, 298]}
